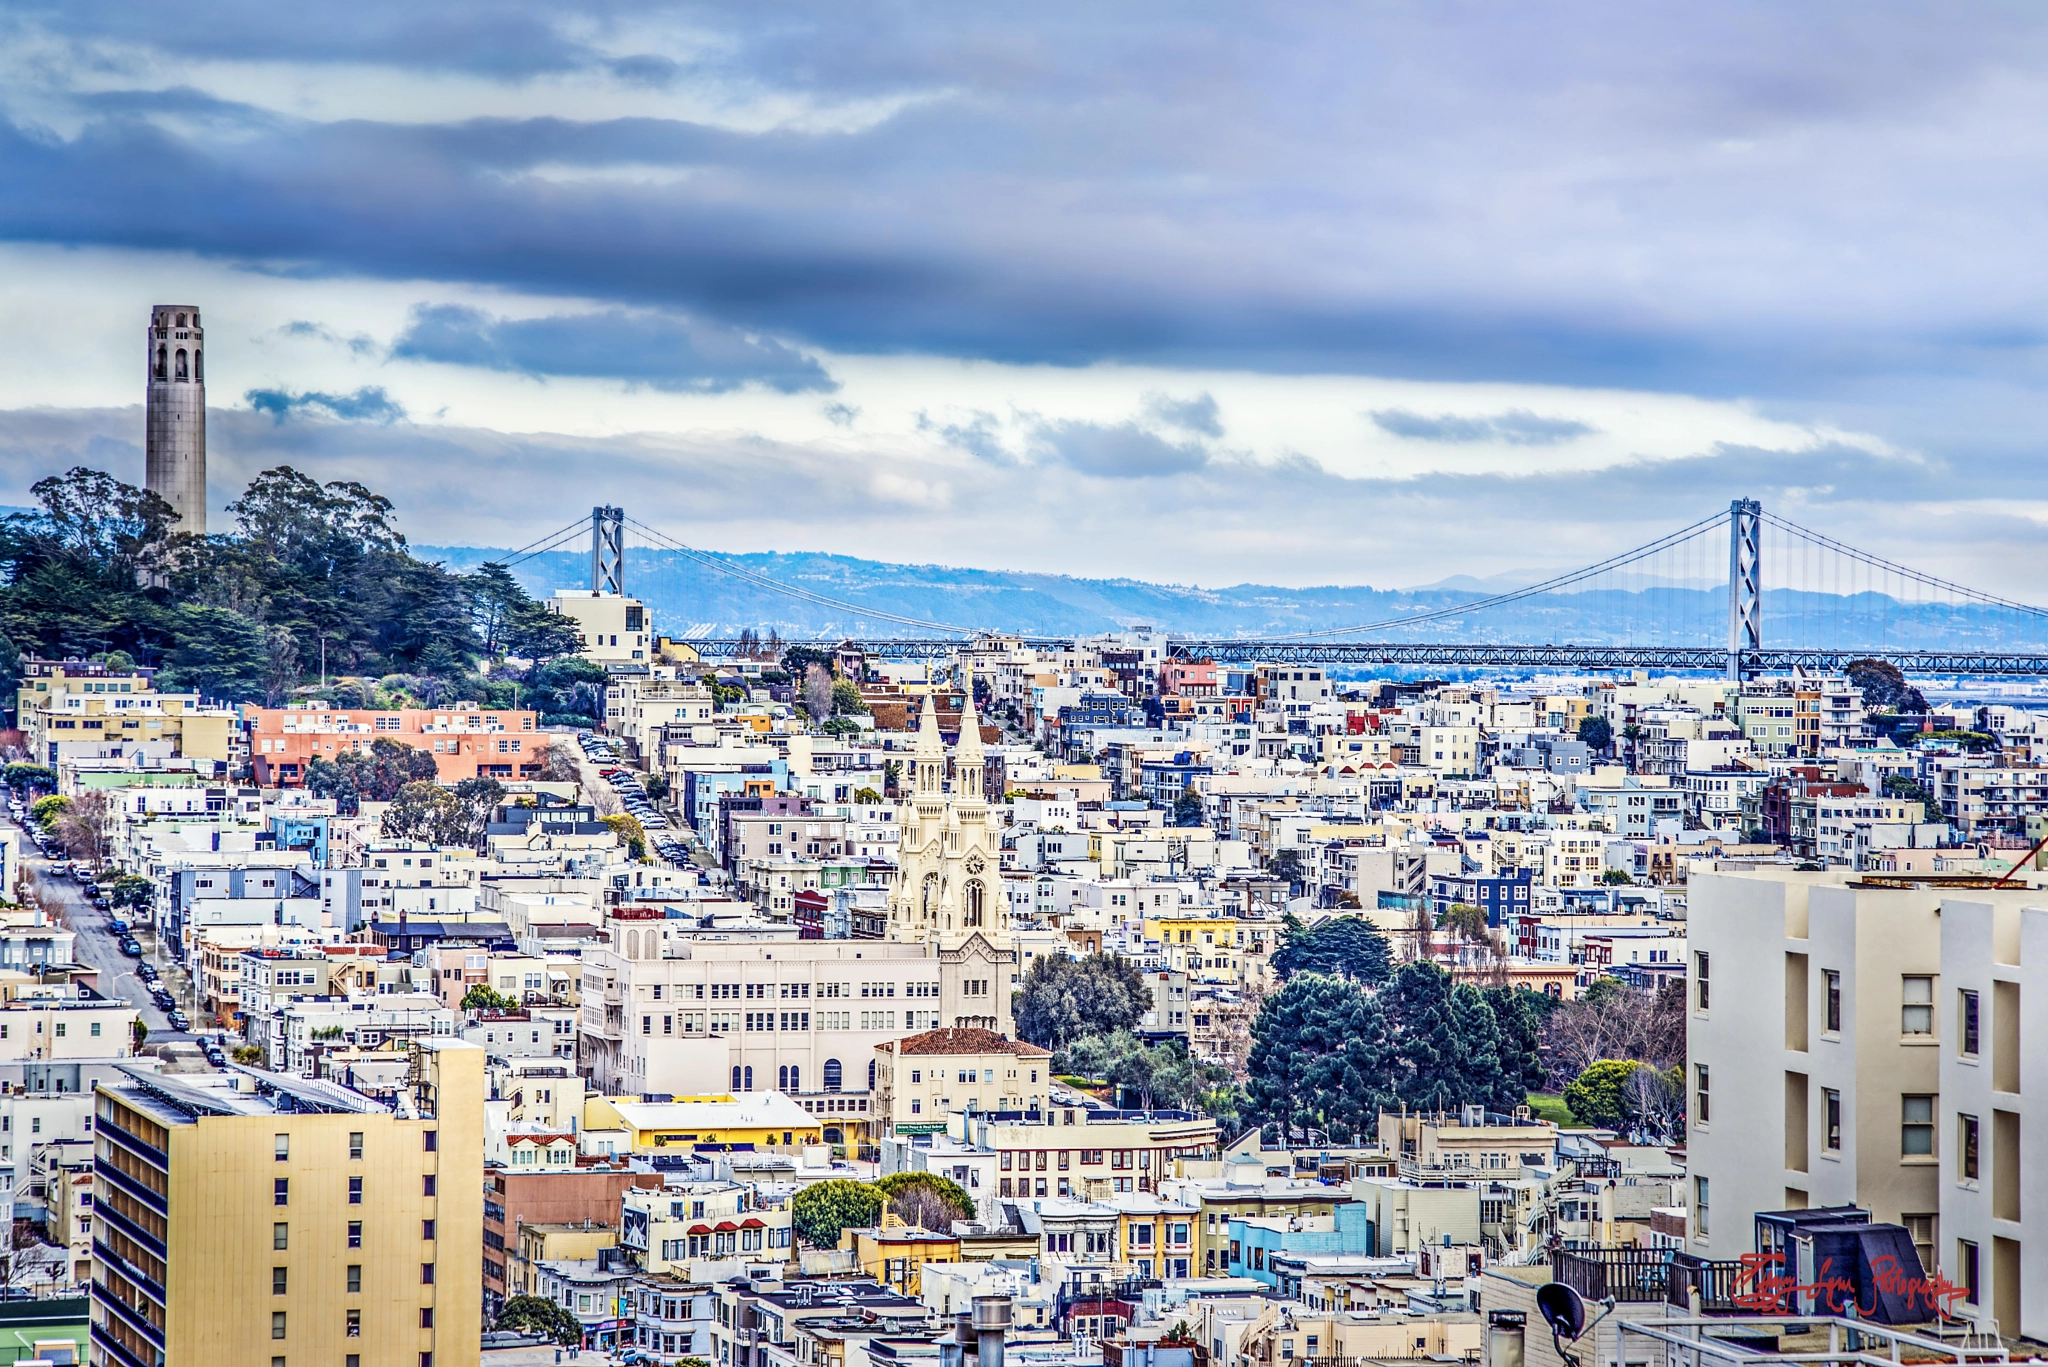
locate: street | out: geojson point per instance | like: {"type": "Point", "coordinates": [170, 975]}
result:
{"type": "Point", "coordinates": [100, 948]}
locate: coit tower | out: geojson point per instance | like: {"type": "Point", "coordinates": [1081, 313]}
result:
{"type": "Point", "coordinates": [175, 468]}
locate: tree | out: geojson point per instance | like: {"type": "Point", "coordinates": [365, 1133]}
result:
{"type": "Point", "coordinates": [657, 787]}
{"type": "Point", "coordinates": [219, 653]}
{"type": "Point", "coordinates": [44, 811]}
{"type": "Point", "coordinates": [817, 696]}
{"type": "Point", "coordinates": [1348, 946]}
{"type": "Point", "coordinates": [1467, 922]}
{"type": "Point", "coordinates": [1597, 734]}
{"type": "Point", "coordinates": [1187, 808]}
{"type": "Point", "coordinates": [1519, 1013]}
{"type": "Point", "coordinates": [1597, 1095]}
{"type": "Point", "coordinates": [1163, 1074]}
{"type": "Point", "coordinates": [797, 660]}
{"type": "Point", "coordinates": [1320, 1061]}
{"type": "Point", "coordinates": [128, 890]}
{"type": "Point", "coordinates": [19, 776]}
{"type": "Point", "coordinates": [539, 1315]}
{"type": "Point", "coordinates": [281, 665]}
{"type": "Point", "coordinates": [1884, 687]}
{"type": "Point", "coordinates": [1446, 1040]}
{"type": "Point", "coordinates": [1614, 1021]}
{"type": "Point", "coordinates": [820, 1211]}
{"type": "Point", "coordinates": [627, 827]}
{"type": "Point", "coordinates": [1614, 877]}
{"type": "Point", "coordinates": [558, 764]}
{"type": "Point", "coordinates": [1287, 864]}
{"type": "Point", "coordinates": [483, 997]}
{"type": "Point", "coordinates": [248, 1055]}
{"type": "Point", "coordinates": [423, 811]}
{"type": "Point", "coordinates": [1910, 788]}
{"type": "Point", "coordinates": [846, 698]}
{"type": "Point", "coordinates": [1062, 999]}
{"type": "Point", "coordinates": [926, 1199]}
{"type": "Point", "coordinates": [83, 827]}
{"type": "Point", "coordinates": [866, 797]}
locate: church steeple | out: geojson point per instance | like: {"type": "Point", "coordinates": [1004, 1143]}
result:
{"type": "Point", "coordinates": [969, 759]}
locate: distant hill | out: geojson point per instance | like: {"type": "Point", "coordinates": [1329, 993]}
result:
{"type": "Point", "coordinates": [688, 598]}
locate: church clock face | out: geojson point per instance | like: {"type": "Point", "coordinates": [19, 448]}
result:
{"type": "Point", "coordinates": [975, 864]}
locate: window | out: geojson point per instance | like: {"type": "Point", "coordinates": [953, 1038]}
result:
{"type": "Point", "coordinates": [355, 1279]}
{"type": "Point", "coordinates": [1832, 981]}
{"type": "Point", "coordinates": [355, 1324]}
{"type": "Point", "coordinates": [355, 1191]}
{"type": "Point", "coordinates": [280, 1236]}
{"type": "Point", "coordinates": [427, 1185]}
{"type": "Point", "coordinates": [355, 1145]}
{"type": "Point", "coordinates": [277, 1281]}
{"type": "Point", "coordinates": [1831, 1106]}
{"type": "Point", "coordinates": [1703, 1108]}
{"type": "Point", "coordinates": [355, 1233]}
{"type": "Point", "coordinates": [1701, 989]}
{"type": "Point", "coordinates": [833, 1074]}
{"type": "Point", "coordinates": [1968, 1016]}
{"type": "Point", "coordinates": [1966, 1263]}
{"type": "Point", "coordinates": [1916, 1130]}
{"type": "Point", "coordinates": [1916, 1014]}
{"type": "Point", "coordinates": [1966, 1136]}
{"type": "Point", "coordinates": [277, 1324]}
{"type": "Point", "coordinates": [281, 1192]}
{"type": "Point", "coordinates": [1921, 1229]}
{"type": "Point", "coordinates": [426, 1274]}
{"type": "Point", "coordinates": [426, 1229]}
{"type": "Point", "coordinates": [426, 1317]}
{"type": "Point", "coordinates": [1699, 1206]}
{"type": "Point", "coordinates": [283, 1147]}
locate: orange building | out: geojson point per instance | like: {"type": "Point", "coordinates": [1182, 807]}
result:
{"type": "Point", "coordinates": [465, 740]}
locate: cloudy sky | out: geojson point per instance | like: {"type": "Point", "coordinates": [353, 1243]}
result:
{"type": "Point", "coordinates": [1291, 293]}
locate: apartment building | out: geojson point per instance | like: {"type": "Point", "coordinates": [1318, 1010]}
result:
{"type": "Point", "coordinates": [465, 740]}
{"type": "Point", "coordinates": [1816, 1018]}
{"type": "Point", "coordinates": [1993, 1109]}
{"type": "Point", "coordinates": [312, 1224]}
{"type": "Point", "coordinates": [920, 1080]}
{"type": "Point", "coordinates": [668, 1011]}
{"type": "Point", "coordinates": [611, 627]}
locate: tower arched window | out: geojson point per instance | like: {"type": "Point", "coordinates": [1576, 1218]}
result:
{"type": "Point", "coordinates": [871, 1075]}
{"type": "Point", "coordinates": [183, 374]}
{"type": "Point", "coordinates": [833, 1075]}
{"type": "Point", "coordinates": [974, 894]}
{"type": "Point", "coordinates": [736, 1077]}
{"type": "Point", "coordinates": [931, 895]}
{"type": "Point", "coordinates": [163, 362]}
{"type": "Point", "coordinates": [198, 366]}
{"type": "Point", "coordinates": [181, 320]}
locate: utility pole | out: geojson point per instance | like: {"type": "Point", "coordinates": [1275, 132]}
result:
{"type": "Point", "coordinates": [1745, 583]}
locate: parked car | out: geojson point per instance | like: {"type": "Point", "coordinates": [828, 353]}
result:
{"type": "Point", "coordinates": [178, 1019]}
{"type": "Point", "coordinates": [147, 973]}
{"type": "Point", "coordinates": [132, 948]}
{"type": "Point", "coordinates": [215, 1056]}
{"type": "Point", "coordinates": [118, 926]}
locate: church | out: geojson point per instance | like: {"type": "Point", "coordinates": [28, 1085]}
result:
{"type": "Point", "coordinates": [948, 890]}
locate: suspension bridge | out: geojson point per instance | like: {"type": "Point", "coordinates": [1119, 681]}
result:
{"type": "Point", "coordinates": [1740, 592]}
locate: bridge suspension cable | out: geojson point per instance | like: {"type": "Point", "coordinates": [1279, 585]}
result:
{"type": "Point", "coordinates": [1562, 581]}
{"type": "Point", "coordinates": [723, 566]}
{"type": "Point", "coordinates": [1824, 542]}
{"type": "Point", "coordinates": [554, 540]}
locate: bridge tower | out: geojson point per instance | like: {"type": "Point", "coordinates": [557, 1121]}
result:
{"type": "Point", "coordinates": [608, 550]}
{"type": "Point", "coordinates": [1745, 582]}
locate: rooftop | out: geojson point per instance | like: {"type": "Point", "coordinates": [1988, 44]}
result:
{"type": "Point", "coordinates": [965, 1040]}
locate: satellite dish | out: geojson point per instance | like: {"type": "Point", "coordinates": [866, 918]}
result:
{"type": "Point", "coordinates": [1561, 1309]}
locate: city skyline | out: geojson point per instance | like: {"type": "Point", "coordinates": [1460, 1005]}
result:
{"type": "Point", "coordinates": [943, 289]}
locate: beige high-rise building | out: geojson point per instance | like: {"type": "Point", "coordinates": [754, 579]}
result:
{"type": "Point", "coordinates": [252, 1217]}
{"type": "Point", "coordinates": [175, 414]}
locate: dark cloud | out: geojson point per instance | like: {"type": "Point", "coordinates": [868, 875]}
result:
{"type": "Point", "coordinates": [368, 404]}
{"type": "Point", "coordinates": [977, 437]}
{"type": "Point", "coordinates": [1516, 427]}
{"type": "Point", "coordinates": [661, 350]}
{"type": "Point", "coordinates": [1123, 451]}
{"type": "Point", "coordinates": [1190, 415]}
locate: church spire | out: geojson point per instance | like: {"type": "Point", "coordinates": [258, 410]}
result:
{"type": "Point", "coordinates": [929, 756]}
{"type": "Point", "coordinates": [968, 755]}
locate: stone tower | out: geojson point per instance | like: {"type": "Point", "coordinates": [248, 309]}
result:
{"type": "Point", "coordinates": [175, 466]}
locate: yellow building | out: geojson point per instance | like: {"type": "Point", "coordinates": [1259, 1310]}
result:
{"type": "Point", "coordinates": [769, 1121]}
{"type": "Point", "coordinates": [63, 701]}
{"type": "Point", "coordinates": [252, 1217]}
{"type": "Point", "coordinates": [554, 1243]}
{"type": "Point", "coordinates": [919, 1080]}
{"type": "Point", "coordinates": [896, 1253]}
{"type": "Point", "coordinates": [1206, 948]}
{"type": "Point", "coordinates": [1156, 1237]}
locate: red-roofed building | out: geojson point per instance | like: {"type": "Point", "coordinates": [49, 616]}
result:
{"type": "Point", "coordinates": [921, 1079]}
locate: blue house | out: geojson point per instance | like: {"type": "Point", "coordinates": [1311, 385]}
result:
{"type": "Point", "coordinates": [1255, 1243]}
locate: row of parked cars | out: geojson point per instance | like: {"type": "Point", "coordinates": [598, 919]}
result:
{"type": "Point", "coordinates": [123, 932]}
{"type": "Point", "coordinates": [602, 752]}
